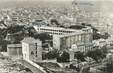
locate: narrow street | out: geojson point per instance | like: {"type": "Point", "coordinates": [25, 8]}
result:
{"type": "Point", "coordinates": [31, 67]}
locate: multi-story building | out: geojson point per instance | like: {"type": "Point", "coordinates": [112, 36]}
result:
{"type": "Point", "coordinates": [59, 30]}
{"type": "Point", "coordinates": [79, 41]}
{"type": "Point", "coordinates": [32, 49]}
{"type": "Point", "coordinates": [66, 38]}
{"type": "Point", "coordinates": [14, 49]}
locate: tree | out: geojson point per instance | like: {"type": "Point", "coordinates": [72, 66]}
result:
{"type": "Point", "coordinates": [80, 56]}
{"type": "Point", "coordinates": [77, 27]}
{"type": "Point", "coordinates": [52, 54]}
{"type": "Point", "coordinates": [43, 37]}
{"type": "Point", "coordinates": [106, 35]}
{"type": "Point", "coordinates": [4, 43]}
{"type": "Point", "coordinates": [14, 29]}
{"type": "Point", "coordinates": [104, 49]}
{"type": "Point", "coordinates": [31, 31]}
{"type": "Point", "coordinates": [18, 38]}
{"type": "Point", "coordinates": [64, 57]}
{"type": "Point", "coordinates": [96, 54]}
{"type": "Point", "coordinates": [54, 21]}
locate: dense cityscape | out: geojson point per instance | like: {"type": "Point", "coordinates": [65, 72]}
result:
{"type": "Point", "coordinates": [56, 39]}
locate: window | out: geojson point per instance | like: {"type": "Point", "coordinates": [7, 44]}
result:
{"type": "Point", "coordinates": [36, 55]}
{"type": "Point", "coordinates": [36, 46]}
{"type": "Point", "coordinates": [36, 52]}
{"type": "Point", "coordinates": [79, 37]}
{"type": "Point", "coordinates": [32, 53]}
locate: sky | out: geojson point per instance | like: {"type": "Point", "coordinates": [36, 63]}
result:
{"type": "Point", "coordinates": [36, 0]}
{"type": "Point", "coordinates": [32, 0]}
{"type": "Point", "coordinates": [53, 0]}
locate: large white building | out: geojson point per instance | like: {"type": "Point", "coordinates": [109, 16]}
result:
{"type": "Point", "coordinates": [59, 30]}
{"type": "Point", "coordinates": [68, 38]}
{"type": "Point", "coordinates": [32, 49]}
{"type": "Point", "coordinates": [79, 41]}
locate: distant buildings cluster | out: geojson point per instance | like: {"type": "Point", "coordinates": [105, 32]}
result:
{"type": "Point", "coordinates": [25, 16]}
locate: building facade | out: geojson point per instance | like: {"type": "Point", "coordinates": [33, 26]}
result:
{"type": "Point", "coordinates": [53, 30]}
{"type": "Point", "coordinates": [14, 49]}
{"type": "Point", "coordinates": [59, 30]}
{"type": "Point", "coordinates": [80, 41]}
{"type": "Point", "coordinates": [32, 49]}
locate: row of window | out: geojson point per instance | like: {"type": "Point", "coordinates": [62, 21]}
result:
{"type": "Point", "coordinates": [75, 39]}
{"type": "Point", "coordinates": [85, 49]}
{"type": "Point", "coordinates": [55, 30]}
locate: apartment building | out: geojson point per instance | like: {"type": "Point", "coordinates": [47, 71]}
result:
{"type": "Point", "coordinates": [65, 38]}
{"type": "Point", "coordinates": [59, 30]}
{"type": "Point", "coordinates": [79, 41]}
{"type": "Point", "coordinates": [32, 49]}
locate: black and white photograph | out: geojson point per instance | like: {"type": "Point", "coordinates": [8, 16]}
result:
{"type": "Point", "coordinates": [56, 36]}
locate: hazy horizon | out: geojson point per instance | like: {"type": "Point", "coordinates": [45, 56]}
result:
{"type": "Point", "coordinates": [105, 6]}
{"type": "Point", "coordinates": [50, 0]}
